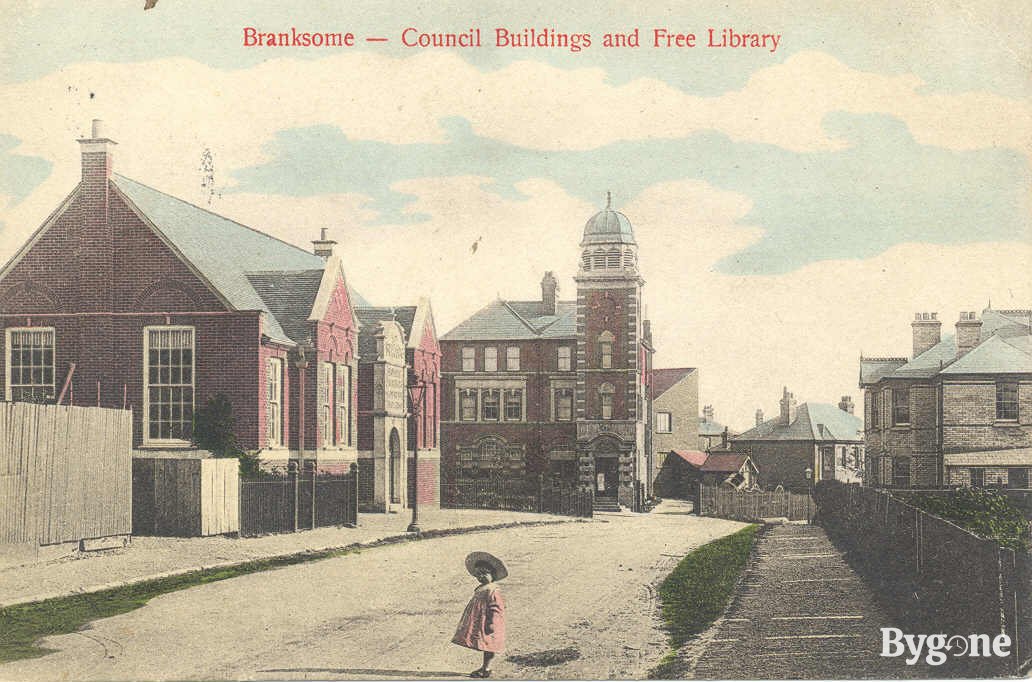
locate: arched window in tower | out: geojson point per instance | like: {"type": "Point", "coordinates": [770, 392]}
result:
{"type": "Point", "coordinates": [628, 259]}
{"type": "Point", "coordinates": [586, 261]}
{"type": "Point", "coordinates": [598, 261]}
{"type": "Point", "coordinates": [605, 350]}
{"type": "Point", "coordinates": [613, 259]}
{"type": "Point", "coordinates": [605, 400]}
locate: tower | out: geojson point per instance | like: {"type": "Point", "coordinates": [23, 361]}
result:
{"type": "Point", "coordinates": [612, 359]}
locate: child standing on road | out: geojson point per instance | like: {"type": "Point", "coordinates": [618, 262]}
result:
{"type": "Point", "coordinates": [482, 627]}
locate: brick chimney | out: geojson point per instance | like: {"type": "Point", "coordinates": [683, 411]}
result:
{"type": "Point", "coordinates": [927, 331]}
{"type": "Point", "coordinates": [759, 417]}
{"type": "Point", "coordinates": [788, 407]}
{"type": "Point", "coordinates": [707, 413]}
{"type": "Point", "coordinates": [549, 287]}
{"type": "Point", "coordinates": [969, 332]}
{"type": "Point", "coordinates": [322, 246]}
{"type": "Point", "coordinates": [846, 404]}
{"type": "Point", "coordinates": [95, 252]}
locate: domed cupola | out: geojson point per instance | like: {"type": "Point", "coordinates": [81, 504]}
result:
{"type": "Point", "coordinates": [608, 245]}
{"type": "Point", "coordinates": [608, 227]}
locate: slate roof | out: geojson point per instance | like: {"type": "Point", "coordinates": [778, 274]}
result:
{"type": "Point", "coordinates": [814, 421]}
{"type": "Point", "coordinates": [665, 379]}
{"type": "Point", "coordinates": [514, 320]}
{"type": "Point", "coordinates": [708, 428]}
{"type": "Point", "coordinates": [693, 457]}
{"type": "Point", "coordinates": [249, 269]}
{"type": "Point", "coordinates": [289, 297]}
{"type": "Point", "coordinates": [1003, 347]}
{"type": "Point", "coordinates": [724, 464]}
{"type": "Point", "coordinates": [370, 319]}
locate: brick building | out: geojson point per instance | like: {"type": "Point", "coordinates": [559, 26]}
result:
{"type": "Point", "coordinates": [557, 388]}
{"type": "Point", "coordinates": [400, 359]}
{"type": "Point", "coordinates": [129, 297]}
{"type": "Point", "coordinates": [827, 439]}
{"type": "Point", "coordinates": [675, 401]}
{"type": "Point", "coordinates": [958, 411]}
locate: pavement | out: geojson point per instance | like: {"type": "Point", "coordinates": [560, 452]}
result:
{"type": "Point", "coordinates": [146, 558]}
{"type": "Point", "coordinates": [580, 604]}
{"type": "Point", "coordinates": [800, 612]}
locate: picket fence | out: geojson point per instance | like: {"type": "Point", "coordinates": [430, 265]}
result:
{"type": "Point", "coordinates": [743, 505]}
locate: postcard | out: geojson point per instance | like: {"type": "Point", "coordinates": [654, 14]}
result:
{"type": "Point", "coordinates": [381, 340]}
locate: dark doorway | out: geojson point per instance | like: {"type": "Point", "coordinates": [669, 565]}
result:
{"type": "Point", "coordinates": [394, 466]}
{"type": "Point", "coordinates": [607, 476]}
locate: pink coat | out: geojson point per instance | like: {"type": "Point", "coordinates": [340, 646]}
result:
{"type": "Point", "coordinates": [486, 604]}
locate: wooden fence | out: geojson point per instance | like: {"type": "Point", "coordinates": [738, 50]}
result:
{"type": "Point", "coordinates": [740, 505]}
{"type": "Point", "coordinates": [284, 504]}
{"type": "Point", "coordinates": [65, 473]}
{"type": "Point", "coordinates": [940, 577]}
{"type": "Point", "coordinates": [185, 497]}
{"type": "Point", "coordinates": [518, 495]}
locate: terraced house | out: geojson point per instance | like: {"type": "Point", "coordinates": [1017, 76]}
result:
{"type": "Point", "coordinates": [557, 388]}
{"type": "Point", "coordinates": [958, 411]}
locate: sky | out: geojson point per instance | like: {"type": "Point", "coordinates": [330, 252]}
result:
{"type": "Point", "coordinates": [794, 207]}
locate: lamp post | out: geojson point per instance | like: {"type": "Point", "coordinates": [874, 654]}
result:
{"type": "Point", "coordinates": [416, 394]}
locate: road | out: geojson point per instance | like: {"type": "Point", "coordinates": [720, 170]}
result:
{"type": "Point", "coordinates": [580, 604]}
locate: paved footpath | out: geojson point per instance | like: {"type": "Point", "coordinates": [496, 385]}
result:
{"type": "Point", "coordinates": [799, 613]}
{"type": "Point", "coordinates": [153, 557]}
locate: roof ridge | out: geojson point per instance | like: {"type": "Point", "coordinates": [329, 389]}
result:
{"type": "Point", "coordinates": [883, 359]}
{"type": "Point", "coordinates": [519, 317]}
{"type": "Point", "coordinates": [217, 215]}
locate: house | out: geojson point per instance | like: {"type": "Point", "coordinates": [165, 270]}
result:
{"type": "Point", "coordinates": [712, 434]}
{"type": "Point", "coordinates": [679, 476]}
{"type": "Point", "coordinates": [400, 361]}
{"type": "Point", "coordinates": [557, 388]}
{"type": "Point", "coordinates": [958, 411]}
{"type": "Point", "coordinates": [825, 439]}
{"type": "Point", "coordinates": [685, 470]}
{"type": "Point", "coordinates": [728, 468]}
{"type": "Point", "coordinates": [128, 297]}
{"type": "Point", "coordinates": [675, 400]}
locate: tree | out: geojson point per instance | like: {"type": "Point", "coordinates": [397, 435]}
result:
{"type": "Point", "coordinates": [214, 429]}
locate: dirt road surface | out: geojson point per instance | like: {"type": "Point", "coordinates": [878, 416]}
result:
{"type": "Point", "coordinates": [580, 604]}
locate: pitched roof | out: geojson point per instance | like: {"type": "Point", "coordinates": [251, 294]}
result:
{"type": "Point", "coordinates": [814, 421]}
{"type": "Point", "coordinates": [665, 379]}
{"type": "Point", "coordinates": [289, 297]}
{"type": "Point", "coordinates": [693, 457]}
{"type": "Point", "coordinates": [370, 319]}
{"type": "Point", "coordinates": [514, 320]}
{"type": "Point", "coordinates": [724, 463]}
{"type": "Point", "coordinates": [708, 428]}
{"type": "Point", "coordinates": [873, 369]}
{"type": "Point", "coordinates": [990, 356]}
{"type": "Point", "coordinates": [996, 355]}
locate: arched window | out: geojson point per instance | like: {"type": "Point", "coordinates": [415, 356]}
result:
{"type": "Point", "coordinates": [586, 260]}
{"type": "Point", "coordinates": [598, 260]}
{"type": "Point", "coordinates": [628, 259]}
{"type": "Point", "coordinates": [613, 259]}
{"type": "Point", "coordinates": [605, 398]}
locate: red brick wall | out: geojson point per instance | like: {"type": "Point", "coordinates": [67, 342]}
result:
{"type": "Point", "coordinates": [428, 480]}
{"type": "Point", "coordinates": [969, 417]}
{"type": "Point", "coordinates": [539, 439]}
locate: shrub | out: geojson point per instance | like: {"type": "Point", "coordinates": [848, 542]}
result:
{"type": "Point", "coordinates": [986, 513]}
{"type": "Point", "coordinates": [214, 429]}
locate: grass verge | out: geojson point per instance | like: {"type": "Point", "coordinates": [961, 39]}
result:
{"type": "Point", "coordinates": [22, 625]}
{"type": "Point", "coordinates": [698, 590]}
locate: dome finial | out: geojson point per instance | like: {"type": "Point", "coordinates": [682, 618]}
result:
{"type": "Point", "coordinates": [609, 199]}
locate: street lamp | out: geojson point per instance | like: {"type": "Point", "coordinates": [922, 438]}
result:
{"type": "Point", "coordinates": [416, 398]}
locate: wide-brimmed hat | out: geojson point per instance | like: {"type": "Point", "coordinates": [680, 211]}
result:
{"type": "Point", "coordinates": [498, 569]}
